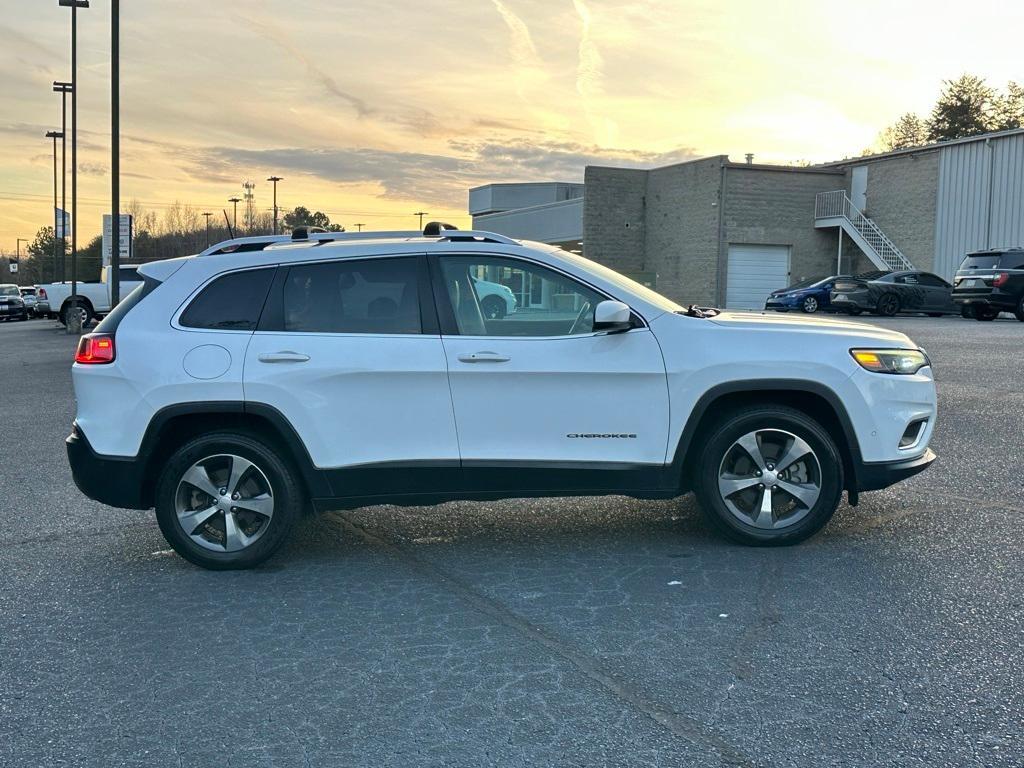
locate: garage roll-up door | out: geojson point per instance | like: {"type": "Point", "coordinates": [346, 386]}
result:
{"type": "Point", "coordinates": [754, 272]}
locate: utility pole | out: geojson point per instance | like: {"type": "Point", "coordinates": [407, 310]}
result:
{"type": "Point", "coordinates": [54, 135]}
{"type": "Point", "coordinates": [74, 324]}
{"type": "Point", "coordinates": [63, 89]}
{"type": "Point", "coordinates": [250, 205]}
{"type": "Point", "coordinates": [275, 179]}
{"type": "Point", "coordinates": [17, 248]}
{"type": "Point", "coordinates": [359, 227]}
{"type": "Point", "coordinates": [421, 214]}
{"type": "Point", "coordinates": [115, 150]}
{"type": "Point", "coordinates": [236, 201]}
{"type": "Point", "coordinates": [207, 215]}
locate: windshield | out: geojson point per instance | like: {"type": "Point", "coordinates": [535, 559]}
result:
{"type": "Point", "coordinates": [981, 261]}
{"type": "Point", "coordinates": [621, 281]}
{"type": "Point", "coordinates": [811, 282]}
{"type": "Point", "coordinates": [9, 290]}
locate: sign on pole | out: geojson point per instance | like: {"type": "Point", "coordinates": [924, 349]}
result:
{"type": "Point", "coordinates": [14, 267]}
{"type": "Point", "coordinates": [63, 220]}
{"type": "Point", "coordinates": [125, 240]}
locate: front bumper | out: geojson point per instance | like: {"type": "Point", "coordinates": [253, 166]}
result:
{"type": "Point", "coordinates": [872, 476]}
{"type": "Point", "coordinates": [113, 480]}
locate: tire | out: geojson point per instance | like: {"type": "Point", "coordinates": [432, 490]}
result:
{"type": "Point", "coordinates": [210, 459]}
{"type": "Point", "coordinates": [85, 309]}
{"type": "Point", "coordinates": [854, 311]}
{"type": "Point", "coordinates": [888, 305]}
{"type": "Point", "coordinates": [494, 307]}
{"type": "Point", "coordinates": [1019, 311]}
{"type": "Point", "coordinates": [934, 314]}
{"type": "Point", "coordinates": [986, 314]}
{"type": "Point", "coordinates": [737, 515]}
{"type": "Point", "coordinates": [966, 311]}
{"type": "Point", "coordinates": [809, 305]}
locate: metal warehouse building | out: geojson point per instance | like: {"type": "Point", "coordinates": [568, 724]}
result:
{"type": "Point", "coordinates": [712, 231]}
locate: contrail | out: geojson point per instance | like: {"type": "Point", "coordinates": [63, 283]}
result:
{"type": "Point", "coordinates": [588, 69]}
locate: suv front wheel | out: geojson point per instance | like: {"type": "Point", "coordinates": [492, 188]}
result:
{"type": "Point", "coordinates": [227, 501]}
{"type": "Point", "coordinates": [769, 476]}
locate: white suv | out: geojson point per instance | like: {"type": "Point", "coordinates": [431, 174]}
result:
{"type": "Point", "coordinates": [234, 389]}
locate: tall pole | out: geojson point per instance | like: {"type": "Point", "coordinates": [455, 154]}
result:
{"type": "Point", "coordinates": [63, 89]}
{"type": "Point", "coordinates": [115, 150]}
{"type": "Point", "coordinates": [236, 201]}
{"type": "Point", "coordinates": [275, 179]}
{"type": "Point", "coordinates": [74, 5]}
{"type": "Point", "coordinates": [359, 227]}
{"type": "Point", "coordinates": [55, 135]}
{"type": "Point", "coordinates": [17, 248]}
{"type": "Point", "coordinates": [421, 214]}
{"type": "Point", "coordinates": [207, 215]}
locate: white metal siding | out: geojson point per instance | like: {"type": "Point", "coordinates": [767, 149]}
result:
{"type": "Point", "coordinates": [755, 271]}
{"type": "Point", "coordinates": [980, 201]}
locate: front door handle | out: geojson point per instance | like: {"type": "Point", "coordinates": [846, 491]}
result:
{"type": "Point", "coordinates": [285, 356]}
{"type": "Point", "coordinates": [484, 357]}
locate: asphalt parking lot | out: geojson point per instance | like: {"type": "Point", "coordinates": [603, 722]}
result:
{"type": "Point", "coordinates": [578, 632]}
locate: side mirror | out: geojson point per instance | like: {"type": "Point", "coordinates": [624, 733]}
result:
{"type": "Point", "coordinates": [612, 317]}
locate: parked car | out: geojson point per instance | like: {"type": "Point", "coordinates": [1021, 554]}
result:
{"type": "Point", "coordinates": [887, 293]}
{"type": "Point", "coordinates": [28, 295]}
{"type": "Point", "coordinates": [496, 300]}
{"type": "Point", "coordinates": [42, 307]}
{"type": "Point", "coordinates": [236, 388]}
{"type": "Point", "coordinates": [12, 306]}
{"type": "Point", "coordinates": [93, 299]}
{"type": "Point", "coordinates": [990, 282]}
{"type": "Point", "coordinates": [808, 296]}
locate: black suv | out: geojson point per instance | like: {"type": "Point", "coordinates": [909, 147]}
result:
{"type": "Point", "coordinates": [990, 282]}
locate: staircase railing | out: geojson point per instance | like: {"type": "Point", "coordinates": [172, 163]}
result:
{"type": "Point", "coordinates": [837, 205]}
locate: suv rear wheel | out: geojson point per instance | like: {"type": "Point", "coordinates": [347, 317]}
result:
{"type": "Point", "coordinates": [227, 501]}
{"type": "Point", "coordinates": [769, 476]}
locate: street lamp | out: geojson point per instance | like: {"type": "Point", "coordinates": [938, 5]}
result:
{"type": "Point", "coordinates": [275, 179]}
{"type": "Point", "coordinates": [207, 215]}
{"type": "Point", "coordinates": [63, 89]}
{"type": "Point", "coordinates": [17, 248]}
{"type": "Point", "coordinates": [236, 201]}
{"type": "Point", "coordinates": [73, 320]}
{"type": "Point", "coordinates": [55, 135]}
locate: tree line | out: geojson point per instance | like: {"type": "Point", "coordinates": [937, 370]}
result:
{"type": "Point", "coordinates": [179, 231]}
{"type": "Point", "coordinates": [967, 106]}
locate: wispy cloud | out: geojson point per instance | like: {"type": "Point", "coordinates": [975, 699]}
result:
{"type": "Point", "coordinates": [589, 77]}
{"type": "Point", "coordinates": [530, 71]}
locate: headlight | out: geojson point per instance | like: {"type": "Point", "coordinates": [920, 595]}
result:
{"type": "Point", "coordinates": [901, 361]}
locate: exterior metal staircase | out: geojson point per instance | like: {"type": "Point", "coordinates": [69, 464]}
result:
{"type": "Point", "coordinates": [835, 209]}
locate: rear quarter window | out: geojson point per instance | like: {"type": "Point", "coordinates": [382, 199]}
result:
{"type": "Point", "coordinates": [232, 302]}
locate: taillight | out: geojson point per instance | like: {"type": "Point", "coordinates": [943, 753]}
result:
{"type": "Point", "coordinates": [95, 349]}
{"type": "Point", "coordinates": [1001, 278]}
{"type": "Point", "coordinates": [42, 293]}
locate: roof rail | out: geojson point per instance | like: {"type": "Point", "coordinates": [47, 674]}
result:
{"type": "Point", "coordinates": [261, 242]}
{"type": "Point", "coordinates": [453, 234]}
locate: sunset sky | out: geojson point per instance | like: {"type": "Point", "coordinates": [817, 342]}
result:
{"type": "Point", "coordinates": [374, 110]}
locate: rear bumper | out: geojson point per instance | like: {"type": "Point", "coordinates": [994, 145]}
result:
{"type": "Point", "coordinates": [111, 480]}
{"type": "Point", "coordinates": [874, 476]}
{"type": "Point", "coordinates": [992, 297]}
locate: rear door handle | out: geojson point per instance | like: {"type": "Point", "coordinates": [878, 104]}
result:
{"type": "Point", "coordinates": [283, 357]}
{"type": "Point", "coordinates": [484, 357]}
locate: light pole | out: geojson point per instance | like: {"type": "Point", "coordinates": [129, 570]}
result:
{"type": "Point", "coordinates": [74, 320]}
{"type": "Point", "coordinates": [236, 201]}
{"type": "Point", "coordinates": [275, 179]}
{"type": "Point", "coordinates": [63, 89]}
{"type": "Point", "coordinates": [207, 215]}
{"type": "Point", "coordinates": [115, 151]}
{"type": "Point", "coordinates": [421, 214]}
{"type": "Point", "coordinates": [54, 135]}
{"type": "Point", "coordinates": [17, 248]}
{"type": "Point", "coordinates": [359, 227]}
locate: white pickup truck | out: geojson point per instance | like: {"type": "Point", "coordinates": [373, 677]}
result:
{"type": "Point", "coordinates": [93, 299]}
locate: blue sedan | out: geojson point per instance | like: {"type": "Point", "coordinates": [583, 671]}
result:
{"type": "Point", "coordinates": [808, 295]}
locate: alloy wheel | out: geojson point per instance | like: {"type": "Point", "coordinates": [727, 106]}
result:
{"type": "Point", "coordinates": [810, 305]}
{"type": "Point", "coordinates": [224, 503]}
{"type": "Point", "coordinates": [770, 479]}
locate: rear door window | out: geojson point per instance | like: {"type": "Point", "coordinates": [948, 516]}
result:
{"type": "Point", "coordinates": [378, 296]}
{"type": "Point", "coordinates": [232, 302]}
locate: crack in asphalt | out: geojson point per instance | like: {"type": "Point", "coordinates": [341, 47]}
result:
{"type": "Point", "coordinates": [679, 725]}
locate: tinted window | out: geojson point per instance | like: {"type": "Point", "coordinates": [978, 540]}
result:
{"type": "Point", "coordinates": [232, 302]}
{"type": "Point", "coordinates": [907, 279]}
{"type": "Point", "coordinates": [370, 296]}
{"type": "Point", "coordinates": [493, 296]}
{"type": "Point", "coordinates": [981, 261]}
{"type": "Point", "coordinates": [934, 281]}
{"type": "Point", "coordinates": [126, 275]}
{"type": "Point", "coordinates": [1012, 261]}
